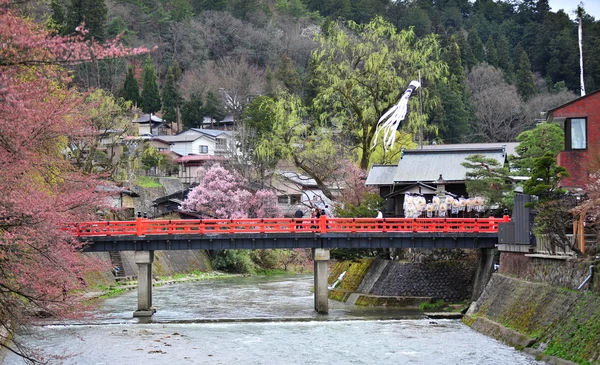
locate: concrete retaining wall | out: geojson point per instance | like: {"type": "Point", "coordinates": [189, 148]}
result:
{"type": "Point", "coordinates": [550, 320]}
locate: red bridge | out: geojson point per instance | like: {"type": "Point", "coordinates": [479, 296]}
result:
{"type": "Point", "coordinates": [144, 236]}
{"type": "Point", "coordinates": [147, 234]}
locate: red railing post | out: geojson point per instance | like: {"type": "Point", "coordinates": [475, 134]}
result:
{"type": "Point", "coordinates": [138, 226]}
{"type": "Point", "coordinates": [323, 224]}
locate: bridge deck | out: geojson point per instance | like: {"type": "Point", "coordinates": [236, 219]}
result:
{"type": "Point", "coordinates": [145, 234]}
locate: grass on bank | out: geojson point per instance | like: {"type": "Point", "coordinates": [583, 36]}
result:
{"type": "Point", "coordinates": [147, 182]}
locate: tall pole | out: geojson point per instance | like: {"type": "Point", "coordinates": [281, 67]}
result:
{"type": "Point", "coordinates": [580, 17]}
{"type": "Point", "coordinates": [420, 113]}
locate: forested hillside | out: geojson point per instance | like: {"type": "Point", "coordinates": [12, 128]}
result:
{"type": "Point", "coordinates": [488, 68]}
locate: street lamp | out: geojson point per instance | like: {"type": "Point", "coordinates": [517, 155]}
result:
{"type": "Point", "coordinates": [440, 194]}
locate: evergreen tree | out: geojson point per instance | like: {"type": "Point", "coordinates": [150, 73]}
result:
{"type": "Point", "coordinates": [504, 61]}
{"type": "Point", "coordinates": [453, 58]}
{"type": "Point", "coordinates": [192, 111]}
{"type": "Point", "coordinates": [476, 46]}
{"type": "Point", "coordinates": [180, 10]}
{"type": "Point", "coordinates": [524, 77]}
{"type": "Point", "coordinates": [466, 53]}
{"type": "Point", "coordinates": [455, 117]}
{"type": "Point", "coordinates": [170, 97]}
{"type": "Point", "coordinates": [490, 52]}
{"type": "Point", "coordinates": [286, 73]}
{"type": "Point", "coordinates": [131, 89]}
{"type": "Point", "coordinates": [150, 101]}
{"type": "Point", "coordinates": [213, 107]}
{"type": "Point", "coordinates": [92, 12]}
{"type": "Point", "coordinates": [58, 17]}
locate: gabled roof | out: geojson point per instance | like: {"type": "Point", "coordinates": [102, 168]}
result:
{"type": "Point", "coordinates": [191, 135]}
{"type": "Point", "coordinates": [211, 132]}
{"type": "Point", "coordinates": [298, 178]}
{"type": "Point", "coordinates": [416, 188]}
{"type": "Point", "coordinates": [146, 118]}
{"type": "Point", "coordinates": [427, 165]}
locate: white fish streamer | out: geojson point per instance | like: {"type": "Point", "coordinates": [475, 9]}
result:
{"type": "Point", "coordinates": [393, 117]}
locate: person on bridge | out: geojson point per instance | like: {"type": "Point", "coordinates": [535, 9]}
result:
{"type": "Point", "coordinates": [299, 214]}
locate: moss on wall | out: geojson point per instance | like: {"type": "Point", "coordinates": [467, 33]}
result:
{"type": "Point", "coordinates": [562, 322]}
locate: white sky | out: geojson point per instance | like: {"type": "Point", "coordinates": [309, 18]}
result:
{"type": "Point", "coordinates": [591, 7]}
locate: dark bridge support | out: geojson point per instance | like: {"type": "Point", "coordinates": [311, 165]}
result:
{"type": "Point", "coordinates": [321, 259]}
{"type": "Point", "coordinates": [484, 271]}
{"type": "Point", "coordinates": [144, 260]}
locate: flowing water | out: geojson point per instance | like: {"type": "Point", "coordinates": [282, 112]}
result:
{"type": "Point", "coordinates": [258, 320]}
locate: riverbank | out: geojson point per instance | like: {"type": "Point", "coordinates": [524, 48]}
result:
{"type": "Point", "coordinates": [551, 323]}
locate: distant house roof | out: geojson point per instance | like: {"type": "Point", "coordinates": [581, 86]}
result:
{"type": "Point", "coordinates": [427, 165]}
{"type": "Point", "coordinates": [298, 178]}
{"type": "Point", "coordinates": [189, 159]}
{"type": "Point", "coordinates": [146, 118]}
{"type": "Point", "coordinates": [191, 135]}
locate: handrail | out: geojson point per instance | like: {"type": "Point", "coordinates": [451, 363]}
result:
{"type": "Point", "coordinates": [143, 226]}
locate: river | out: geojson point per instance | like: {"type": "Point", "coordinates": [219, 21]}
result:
{"type": "Point", "coordinates": [262, 320]}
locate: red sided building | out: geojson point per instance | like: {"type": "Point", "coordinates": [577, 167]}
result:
{"type": "Point", "coordinates": [581, 123]}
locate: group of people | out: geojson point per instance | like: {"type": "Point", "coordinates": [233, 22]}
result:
{"type": "Point", "coordinates": [315, 212]}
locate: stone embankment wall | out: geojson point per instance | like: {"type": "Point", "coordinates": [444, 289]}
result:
{"type": "Point", "coordinates": [559, 271]}
{"type": "Point", "coordinates": [394, 283]}
{"type": "Point", "coordinates": [545, 320]}
{"type": "Point", "coordinates": [166, 263]}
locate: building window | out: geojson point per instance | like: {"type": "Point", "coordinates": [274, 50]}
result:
{"type": "Point", "coordinates": [576, 134]}
{"type": "Point", "coordinates": [221, 143]}
{"type": "Point", "coordinates": [282, 199]}
{"type": "Point", "coordinates": [203, 149]}
{"type": "Point", "coordinates": [295, 199]}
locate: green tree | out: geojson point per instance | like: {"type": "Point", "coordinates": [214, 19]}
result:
{"type": "Point", "coordinates": [488, 178]}
{"type": "Point", "coordinates": [171, 98]}
{"type": "Point", "coordinates": [213, 106]}
{"type": "Point", "coordinates": [361, 72]}
{"type": "Point", "coordinates": [476, 46]}
{"type": "Point", "coordinates": [180, 10]}
{"type": "Point", "coordinates": [308, 144]}
{"type": "Point", "coordinates": [545, 178]}
{"type": "Point", "coordinates": [286, 73]}
{"type": "Point", "coordinates": [192, 111]}
{"type": "Point", "coordinates": [466, 53]}
{"type": "Point", "coordinates": [455, 116]}
{"type": "Point", "coordinates": [534, 143]}
{"type": "Point", "coordinates": [504, 61]}
{"type": "Point", "coordinates": [524, 76]}
{"type": "Point", "coordinates": [150, 100]}
{"type": "Point", "coordinates": [57, 17]}
{"type": "Point", "coordinates": [491, 56]}
{"type": "Point", "coordinates": [553, 205]}
{"type": "Point", "coordinates": [151, 158]}
{"type": "Point", "coordinates": [131, 89]}
{"type": "Point", "coordinates": [92, 12]}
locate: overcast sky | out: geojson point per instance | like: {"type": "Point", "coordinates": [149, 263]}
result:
{"type": "Point", "coordinates": [592, 7]}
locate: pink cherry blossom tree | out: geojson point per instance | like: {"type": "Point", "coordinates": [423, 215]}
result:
{"type": "Point", "coordinates": [40, 267]}
{"type": "Point", "coordinates": [223, 194]}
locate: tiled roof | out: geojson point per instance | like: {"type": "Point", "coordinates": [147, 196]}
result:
{"type": "Point", "coordinates": [427, 165]}
{"type": "Point", "coordinates": [381, 175]}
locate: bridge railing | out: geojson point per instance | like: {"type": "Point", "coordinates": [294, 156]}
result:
{"type": "Point", "coordinates": [142, 226]}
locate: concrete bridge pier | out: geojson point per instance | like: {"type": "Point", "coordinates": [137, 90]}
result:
{"type": "Point", "coordinates": [484, 271]}
{"type": "Point", "coordinates": [321, 259]}
{"type": "Point", "coordinates": [144, 260]}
